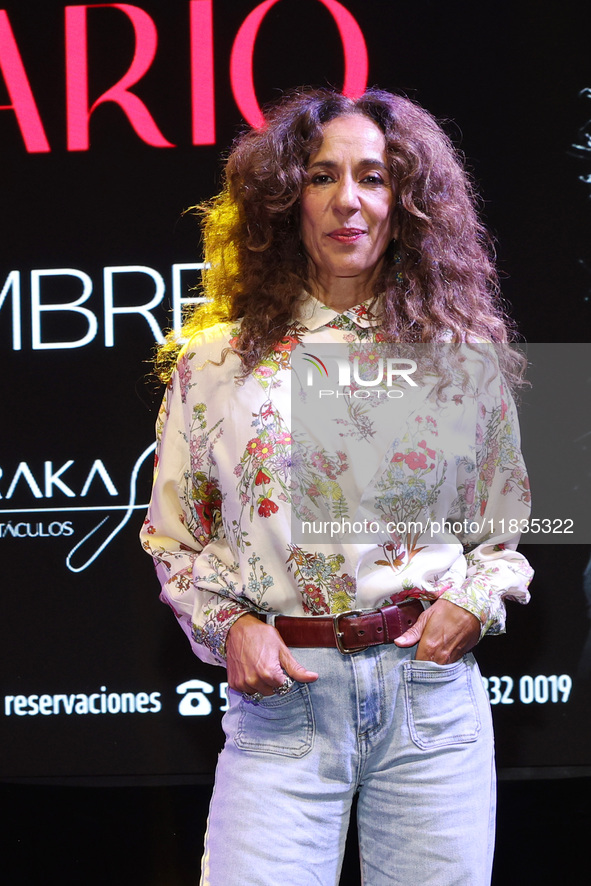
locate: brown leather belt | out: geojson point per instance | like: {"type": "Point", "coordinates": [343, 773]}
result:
{"type": "Point", "coordinates": [350, 631]}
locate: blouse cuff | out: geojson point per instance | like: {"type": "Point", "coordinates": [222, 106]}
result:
{"type": "Point", "coordinates": [208, 637]}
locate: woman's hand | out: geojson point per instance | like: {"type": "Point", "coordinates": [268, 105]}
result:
{"type": "Point", "coordinates": [258, 659]}
{"type": "Point", "coordinates": [444, 633]}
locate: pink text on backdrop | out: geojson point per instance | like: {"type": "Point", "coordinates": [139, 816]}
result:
{"type": "Point", "coordinates": [79, 107]}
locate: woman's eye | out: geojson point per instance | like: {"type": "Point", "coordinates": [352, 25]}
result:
{"type": "Point", "coordinates": [373, 179]}
{"type": "Point", "coordinates": [321, 178]}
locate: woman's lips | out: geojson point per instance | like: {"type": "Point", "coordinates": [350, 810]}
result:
{"type": "Point", "coordinates": [346, 235]}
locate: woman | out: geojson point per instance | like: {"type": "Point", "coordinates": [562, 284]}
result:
{"type": "Point", "coordinates": [343, 222]}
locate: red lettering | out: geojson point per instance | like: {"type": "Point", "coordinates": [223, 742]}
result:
{"type": "Point", "coordinates": [78, 112]}
{"type": "Point", "coordinates": [354, 49]}
{"type": "Point", "coordinates": [241, 75]}
{"type": "Point", "coordinates": [202, 78]}
{"type": "Point", "coordinates": [19, 90]}
{"type": "Point", "coordinates": [241, 60]}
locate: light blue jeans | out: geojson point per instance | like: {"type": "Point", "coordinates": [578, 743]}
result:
{"type": "Point", "coordinates": [413, 738]}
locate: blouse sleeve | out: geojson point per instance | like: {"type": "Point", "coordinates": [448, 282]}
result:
{"type": "Point", "coordinates": [183, 529]}
{"type": "Point", "coordinates": [493, 505]}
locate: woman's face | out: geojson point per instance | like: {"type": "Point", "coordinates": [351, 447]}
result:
{"type": "Point", "coordinates": [347, 205]}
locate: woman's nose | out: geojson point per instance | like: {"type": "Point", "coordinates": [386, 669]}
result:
{"type": "Point", "coordinates": [347, 195]}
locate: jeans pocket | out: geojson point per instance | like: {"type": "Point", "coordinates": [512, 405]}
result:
{"type": "Point", "coordinates": [279, 724]}
{"type": "Point", "coordinates": [440, 703]}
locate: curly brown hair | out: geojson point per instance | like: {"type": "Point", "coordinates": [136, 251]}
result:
{"type": "Point", "coordinates": [437, 279]}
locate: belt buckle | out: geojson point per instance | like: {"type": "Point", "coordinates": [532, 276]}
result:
{"type": "Point", "coordinates": [339, 634]}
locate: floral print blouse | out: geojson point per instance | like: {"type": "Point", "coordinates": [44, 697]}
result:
{"type": "Point", "coordinates": [219, 522]}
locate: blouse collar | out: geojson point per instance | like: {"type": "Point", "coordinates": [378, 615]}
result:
{"type": "Point", "coordinates": [313, 314]}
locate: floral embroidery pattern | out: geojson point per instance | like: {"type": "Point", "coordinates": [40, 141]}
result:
{"type": "Point", "coordinates": [264, 474]}
{"type": "Point", "coordinates": [317, 575]}
{"type": "Point", "coordinates": [201, 493]}
{"type": "Point", "coordinates": [263, 469]}
{"type": "Point", "coordinates": [222, 577]}
{"type": "Point", "coordinates": [346, 324]}
{"type": "Point", "coordinates": [259, 582]}
{"type": "Point", "coordinates": [408, 490]}
{"type": "Point", "coordinates": [499, 454]}
{"type": "Point", "coordinates": [411, 592]}
{"type": "Point", "coordinates": [267, 370]}
{"type": "Point", "coordinates": [185, 375]}
{"type": "Point", "coordinates": [314, 481]}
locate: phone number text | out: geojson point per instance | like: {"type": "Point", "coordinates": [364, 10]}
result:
{"type": "Point", "coordinates": [529, 690]}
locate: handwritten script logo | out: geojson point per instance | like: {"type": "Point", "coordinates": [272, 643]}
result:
{"type": "Point", "coordinates": [87, 548]}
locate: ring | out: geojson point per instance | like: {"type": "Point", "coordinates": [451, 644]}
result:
{"type": "Point", "coordinates": [284, 688]}
{"type": "Point", "coordinates": [254, 696]}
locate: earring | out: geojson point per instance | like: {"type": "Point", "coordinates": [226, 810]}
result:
{"type": "Point", "coordinates": [398, 260]}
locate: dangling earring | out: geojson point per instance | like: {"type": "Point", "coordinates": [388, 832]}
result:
{"type": "Point", "coordinates": [397, 261]}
